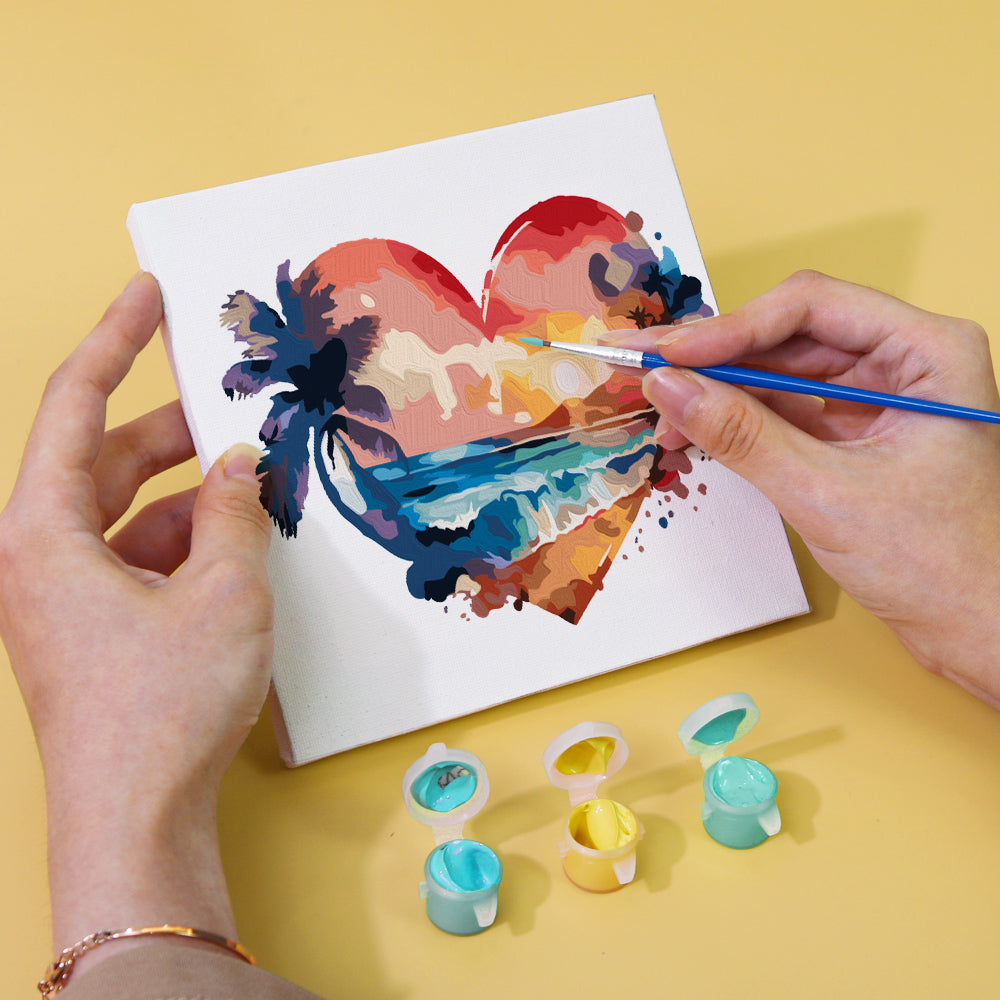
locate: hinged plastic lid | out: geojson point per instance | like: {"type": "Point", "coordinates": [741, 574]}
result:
{"type": "Point", "coordinates": [708, 731]}
{"type": "Point", "coordinates": [444, 789]}
{"type": "Point", "coordinates": [579, 759]}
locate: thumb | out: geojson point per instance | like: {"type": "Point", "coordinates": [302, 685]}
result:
{"type": "Point", "coordinates": [738, 430]}
{"type": "Point", "coordinates": [228, 520]}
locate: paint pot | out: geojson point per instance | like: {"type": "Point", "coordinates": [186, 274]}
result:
{"type": "Point", "coordinates": [601, 835]}
{"type": "Point", "coordinates": [444, 789]}
{"type": "Point", "coordinates": [739, 808]}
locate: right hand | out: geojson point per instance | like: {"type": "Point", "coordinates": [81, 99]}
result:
{"type": "Point", "coordinates": [902, 509]}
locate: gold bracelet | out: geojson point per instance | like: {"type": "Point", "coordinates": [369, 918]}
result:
{"type": "Point", "coordinates": [59, 971]}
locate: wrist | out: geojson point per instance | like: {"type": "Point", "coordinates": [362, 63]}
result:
{"type": "Point", "coordinates": [61, 970]}
{"type": "Point", "coordinates": [969, 656]}
{"type": "Point", "coordinates": [957, 633]}
{"type": "Point", "coordinates": [131, 854]}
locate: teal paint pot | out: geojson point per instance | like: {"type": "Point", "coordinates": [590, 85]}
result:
{"type": "Point", "coordinates": [461, 885]}
{"type": "Point", "coordinates": [739, 809]}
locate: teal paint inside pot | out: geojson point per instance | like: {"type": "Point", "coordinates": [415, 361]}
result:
{"type": "Point", "coordinates": [464, 866]}
{"type": "Point", "coordinates": [444, 787]}
{"type": "Point", "coordinates": [740, 782]}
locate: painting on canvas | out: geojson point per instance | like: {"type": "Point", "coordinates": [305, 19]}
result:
{"type": "Point", "coordinates": [496, 472]}
{"type": "Point", "coordinates": [460, 519]}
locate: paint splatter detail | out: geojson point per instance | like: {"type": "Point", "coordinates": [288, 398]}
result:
{"type": "Point", "coordinates": [499, 472]}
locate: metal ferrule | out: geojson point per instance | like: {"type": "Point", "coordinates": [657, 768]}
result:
{"type": "Point", "coordinates": [612, 355]}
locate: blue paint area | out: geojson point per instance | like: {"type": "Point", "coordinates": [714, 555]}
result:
{"type": "Point", "coordinates": [476, 508]}
{"type": "Point", "coordinates": [679, 293]}
{"type": "Point", "coordinates": [291, 305]}
{"type": "Point", "coordinates": [669, 265]}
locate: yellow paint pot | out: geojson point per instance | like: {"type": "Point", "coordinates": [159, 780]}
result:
{"type": "Point", "coordinates": [599, 845]}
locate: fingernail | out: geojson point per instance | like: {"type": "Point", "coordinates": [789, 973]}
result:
{"type": "Point", "coordinates": [680, 331]}
{"type": "Point", "coordinates": [135, 279]}
{"type": "Point", "coordinates": [242, 462]}
{"type": "Point", "coordinates": [637, 340]}
{"type": "Point", "coordinates": [663, 426]}
{"type": "Point", "coordinates": [670, 339]}
{"type": "Point", "coordinates": [672, 391]}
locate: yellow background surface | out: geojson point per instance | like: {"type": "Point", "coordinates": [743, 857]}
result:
{"type": "Point", "coordinates": [856, 137]}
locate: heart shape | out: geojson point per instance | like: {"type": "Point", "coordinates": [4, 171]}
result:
{"type": "Point", "coordinates": [497, 471]}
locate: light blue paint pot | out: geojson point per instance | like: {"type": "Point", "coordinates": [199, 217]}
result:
{"type": "Point", "coordinates": [739, 808]}
{"type": "Point", "coordinates": [444, 789]}
{"type": "Point", "coordinates": [461, 886]}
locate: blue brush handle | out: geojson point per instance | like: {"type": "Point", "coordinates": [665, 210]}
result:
{"type": "Point", "coordinates": [790, 383]}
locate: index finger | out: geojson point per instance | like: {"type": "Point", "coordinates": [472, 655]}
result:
{"type": "Point", "coordinates": [69, 426]}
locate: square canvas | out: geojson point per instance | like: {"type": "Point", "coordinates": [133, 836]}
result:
{"type": "Point", "coordinates": [460, 519]}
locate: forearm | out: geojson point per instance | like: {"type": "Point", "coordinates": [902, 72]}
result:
{"type": "Point", "coordinates": [936, 587]}
{"type": "Point", "coordinates": [130, 855]}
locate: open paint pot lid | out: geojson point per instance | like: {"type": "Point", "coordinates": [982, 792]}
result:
{"type": "Point", "coordinates": [444, 789]}
{"type": "Point", "coordinates": [582, 757]}
{"type": "Point", "coordinates": [707, 732]}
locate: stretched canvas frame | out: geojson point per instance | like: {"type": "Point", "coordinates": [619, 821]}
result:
{"type": "Point", "coordinates": [460, 520]}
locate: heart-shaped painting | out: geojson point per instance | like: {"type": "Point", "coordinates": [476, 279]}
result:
{"type": "Point", "coordinates": [497, 471]}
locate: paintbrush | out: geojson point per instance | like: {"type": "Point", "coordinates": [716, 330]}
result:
{"type": "Point", "coordinates": [769, 380]}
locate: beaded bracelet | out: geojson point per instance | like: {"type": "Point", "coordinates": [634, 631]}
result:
{"type": "Point", "coordinates": [59, 971]}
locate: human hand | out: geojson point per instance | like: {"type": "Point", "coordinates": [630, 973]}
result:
{"type": "Point", "coordinates": [144, 659]}
{"type": "Point", "coordinates": [901, 509]}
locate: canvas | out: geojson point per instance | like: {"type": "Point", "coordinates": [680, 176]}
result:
{"type": "Point", "coordinates": [460, 519]}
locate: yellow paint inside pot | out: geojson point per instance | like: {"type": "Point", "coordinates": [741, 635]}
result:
{"type": "Point", "coordinates": [603, 825]}
{"type": "Point", "coordinates": [587, 757]}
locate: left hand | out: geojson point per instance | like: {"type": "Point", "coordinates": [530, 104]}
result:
{"type": "Point", "coordinates": [143, 659]}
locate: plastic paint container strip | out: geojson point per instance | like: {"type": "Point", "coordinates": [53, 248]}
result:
{"type": "Point", "coordinates": [443, 789]}
{"type": "Point", "coordinates": [739, 808]}
{"type": "Point", "coordinates": [599, 846]}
